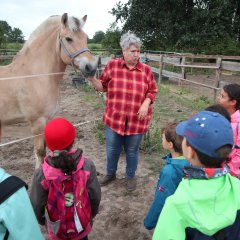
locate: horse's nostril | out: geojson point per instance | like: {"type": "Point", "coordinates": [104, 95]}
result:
{"type": "Point", "coordinates": [88, 68]}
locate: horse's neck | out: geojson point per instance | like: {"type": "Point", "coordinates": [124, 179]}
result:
{"type": "Point", "coordinates": [41, 55]}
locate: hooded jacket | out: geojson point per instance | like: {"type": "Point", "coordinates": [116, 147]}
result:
{"type": "Point", "coordinates": [39, 195]}
{"type": "Point", "coordinates": [169, 178]}
{"type": "Point", "coordinates": [207, 205]}
{"type": "Point", "coordinates": [16, 215]}
{"type": "Point", "coordinates": [234, 163]}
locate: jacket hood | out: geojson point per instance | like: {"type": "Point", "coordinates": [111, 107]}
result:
{"type": "Point", "coordinates": [180, 161]}
{"type": "Point", "coordinates": [210, 205]}
{"type": "Point", "coordinates": [51, 173]}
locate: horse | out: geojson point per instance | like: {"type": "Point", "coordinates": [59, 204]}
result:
{"type": "Point", "coordinates": [29, 89]}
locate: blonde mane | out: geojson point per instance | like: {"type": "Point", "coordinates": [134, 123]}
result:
{"type": "Point", "coordinates": [41, 29]}
{"type": "Point", "coordinates": [74, 25]}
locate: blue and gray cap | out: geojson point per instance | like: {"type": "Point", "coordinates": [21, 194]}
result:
{"type": "Point", "coordinates": [206, 132]}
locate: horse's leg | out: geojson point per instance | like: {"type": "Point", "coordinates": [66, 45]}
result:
{"type": "Point", "coordinates": [37, 127]}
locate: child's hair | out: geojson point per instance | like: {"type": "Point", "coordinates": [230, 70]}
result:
{"type": "Point", "coordinates": [59, 135]}
{"type": "Point", "coordinates": [169, 130]}
{"type": "Point", "coordinates": [233, 92]}
{"type": "Point", "coordinates": [211, 162]}
{"type": "Point", "coordinates": [219, 109]}
{"type": "Point", "coordinates": [65, 162]}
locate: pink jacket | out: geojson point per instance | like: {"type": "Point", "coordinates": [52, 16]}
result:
{"type": "Point", "coordinates": [234, 163]}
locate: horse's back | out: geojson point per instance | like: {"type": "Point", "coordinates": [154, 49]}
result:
{"type": "Point", "coordinates": [23, 98]}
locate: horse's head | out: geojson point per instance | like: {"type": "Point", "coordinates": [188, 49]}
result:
{"type": "Point", "coordinates": [72, 43]}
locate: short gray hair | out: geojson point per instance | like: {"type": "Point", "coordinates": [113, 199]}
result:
{"type": "Point", "coordinates": [128, 39]}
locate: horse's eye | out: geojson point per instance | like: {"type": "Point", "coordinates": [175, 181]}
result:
{"type": "Point", "coordinates": [69, 39]}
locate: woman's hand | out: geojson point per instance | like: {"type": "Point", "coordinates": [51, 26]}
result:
{"type": "Point", "coordinates": [96, 83]}
{"type": "Point", "coordinates": [143, 110]}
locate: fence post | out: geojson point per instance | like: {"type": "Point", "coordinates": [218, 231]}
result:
{"type": "Point", "coordinates": [99, 67]}
{"type": "Point", "coordinates": [183, 62]}
{"type": "Point", "coordinates": [160, 68]}
{"type": "Point", "coordinates": [218, 73]}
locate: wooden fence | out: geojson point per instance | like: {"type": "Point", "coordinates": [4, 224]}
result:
{"type": "Point", "coordinates": [182, 66]}
{"type": "Point", "coordinates": [183, 62]}
{"type": "Point", "coordinates": [7, 54]}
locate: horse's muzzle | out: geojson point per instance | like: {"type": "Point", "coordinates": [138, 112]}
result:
{"type": "Point", "coordinates": [90, 70]}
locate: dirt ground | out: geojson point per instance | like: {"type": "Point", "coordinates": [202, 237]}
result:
{"type": "Point", "coordinates": [121, 213]}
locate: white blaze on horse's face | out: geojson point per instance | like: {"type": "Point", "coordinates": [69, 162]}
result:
{"type": "Point", "coordinates": [70, 38]}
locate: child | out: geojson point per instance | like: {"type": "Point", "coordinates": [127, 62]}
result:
{"type": "Point", "coordinates": [17, 219]}
{"type": "Point", "coordinates": [65, 193]}
{"type": "Point", "coordinates": [219, 109]}
{"type": "Point", "coordinates": [207, 202]}
{"type": "Point", "coordinates": [230, 99]}
{"type": "Point", "coordinates": [171, 174]}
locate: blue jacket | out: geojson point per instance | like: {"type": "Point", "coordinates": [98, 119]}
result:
{"type": "Point", "coordinates": [17, 215]}
{"type": "Point", "coordinates": [169, 178]}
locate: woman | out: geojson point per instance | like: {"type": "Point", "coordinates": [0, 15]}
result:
{"type": "Point", "coordinates": [131, 89]}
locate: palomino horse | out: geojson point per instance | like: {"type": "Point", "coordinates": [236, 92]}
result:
{"type": "Point", "coordinates": [57, 42]}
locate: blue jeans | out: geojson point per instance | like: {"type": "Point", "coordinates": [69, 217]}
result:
{"type": "Point", "coordinates": [114, 146]}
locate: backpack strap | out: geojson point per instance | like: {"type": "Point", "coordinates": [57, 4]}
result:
{"type": "Point", "coordinates": [6, 235]}
{"type": "Point", "coordinates": [237, 129]}
{"type": "Point", "coordinates": [7, 187]}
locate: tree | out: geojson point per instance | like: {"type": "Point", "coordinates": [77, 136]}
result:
{"type": "Point", "coordinates": [191, 25]}
{"type": "Point", "coordinates": [236, 19]}
{"type": "Point", "coordinates": [5, 30]}
{"type": "Point", "coordinates": [112, 37]}
{"type": "Point", "coordinates": [142, 17]}
{"type": "Point", "coordinates": [16, 35]}
{"type": "Point", "coordinates": [7, 34]}
{"type": "Point", "coordinates": [98, 37]}
{"type": "Point", "coordinates": [2, 38]}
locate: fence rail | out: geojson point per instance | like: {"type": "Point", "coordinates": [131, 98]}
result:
{"type": "Point", "coordinates": [6, 57]}
{"type": "Point", "coordinates": [180, 62]}
{"type": "Point", "coordinates": [183, 62]}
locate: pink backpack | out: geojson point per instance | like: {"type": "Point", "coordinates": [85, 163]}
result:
{"type": "Point", "coordinates": [68, 211]}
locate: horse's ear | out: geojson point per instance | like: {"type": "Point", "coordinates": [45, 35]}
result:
{"type": "Point", "coordinates": [84, 19]}
{"type": "Point", "coordinates": [64, 19]}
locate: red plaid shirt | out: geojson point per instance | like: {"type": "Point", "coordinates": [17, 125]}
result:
{"type": "Point", "coordinates": [126, 91]}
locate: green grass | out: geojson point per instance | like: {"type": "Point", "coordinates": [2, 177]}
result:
{"type": "Point", "coordinates": [13, 46]}
{"type": "Point", "coordinates": [94, 45]}
{"type": "Point", "coordinates": [96, 99]}
{"type": "Point", "coordinates": [99, 130]}
{"type": "Point", "coordinates": [5, 62]}
{"type": "Point", "coordinates": [172, 103]}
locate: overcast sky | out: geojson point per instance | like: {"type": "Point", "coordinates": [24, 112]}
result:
{"type": "Point", "coordinates": [28, 14]}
